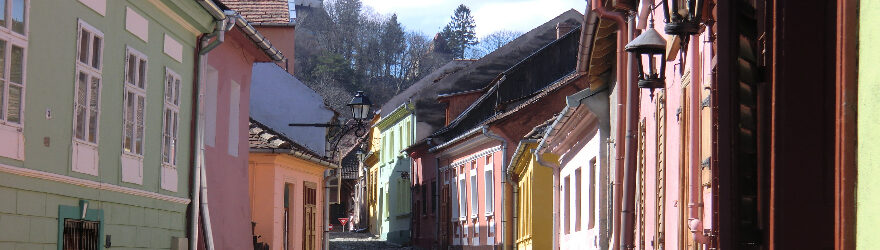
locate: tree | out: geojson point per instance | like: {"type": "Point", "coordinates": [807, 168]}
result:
{"type": "Point", "coordinates": [393, 46]}
{"type": "Point", "coordinates": [493, 41]}
{"type": "Point", "coordinates": [460, 32]}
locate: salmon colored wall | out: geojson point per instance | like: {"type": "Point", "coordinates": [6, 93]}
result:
{"type": "Point", "coordinates": [698, 62]}
{"type": "Point", "coordinates": [458, 103]}
{"type": "Point", "coordinates": [227, 174]}
{"type": "Point", "coordinates": [269, 174]}
{"type": "Point", "coordinates": [497, 169]}
{"type": "Point", "coordinates": [282, 38]}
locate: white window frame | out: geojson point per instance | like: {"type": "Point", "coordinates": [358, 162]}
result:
{"type": "Point", "coordinates": [85, 150]}
{"type": "Point", "coordinates": [133, 160]}
{"type": "Point", "coordinates": [172, 104]}
{"type": "Point", "coordinates": [137, 91]}
{"type": "Point", "coordinates": [475, 191]}
{"type": "Point", "coordinates": [489, 179]}
{"type": "Point", "coordinates": [170, 130]}
{"type": "Point", "coordinates": [12, 132]}
{"type": "Point", "coordinates": [20, 40]}
{"type": "Point", "coordinates": [91, 71]}
{"type": "Point", "coordinates": [462, 193]}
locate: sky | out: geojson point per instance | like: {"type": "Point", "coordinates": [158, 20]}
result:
{"type": "Point", "coordinates": [429, 16]}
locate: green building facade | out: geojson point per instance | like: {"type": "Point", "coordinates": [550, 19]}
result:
{"type": "Point", "coordinates": [867, 200]}
{"type": "Point", "coordinates": [96, 118]}
{"type": "Point", "coordinates": [394, 179]}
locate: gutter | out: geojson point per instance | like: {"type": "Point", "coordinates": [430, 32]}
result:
{"type": "Point", "coordinates": [509, 172]}
{"type": "Point", "coordinates": [199, 192]}
{"type": "Point", "coordinates": [621, 84]}
{"type": "Point", "coordinates": [629, 174]}
{"type": "Point", "coordinates": [456, 139]}
{"type": "Point", "coordinates": [504, 180]}
{"type": "Point", "coordinates": [245, 27]}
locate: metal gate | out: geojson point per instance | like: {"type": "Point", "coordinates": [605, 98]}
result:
{"type": "Point", "coordinates": [81, 234]}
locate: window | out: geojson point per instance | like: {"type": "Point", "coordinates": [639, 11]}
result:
{"type": "Point", "coordinates": [577, 199]}
{"type": "Point", "coordinates": [233, 132]}
{"type": "Point", "coordinates": [462, 194]}
{"type": "Point", "coordinates": [474, 191]}
{"type": "Point", "coordinates": [13, 42]}
{"type": "Point", "coordinates": [567, 184]}
{"type": "Point", "coordinates": [592, 194]}
{"type": "Point", "coordinates": [490, 185]}
{"type": "Point", "coordinates": [424, 200]}
{"type": "Point", "coordinates": [88, 84]}
{"type": "Point", "coordinates": [134, 102]}
{"type": "Point", "coordinates": [171, 117]}
{"type": "Point", "coordinates": [433, 196]}
{"type": "Point", "coordinates": [81, 234]}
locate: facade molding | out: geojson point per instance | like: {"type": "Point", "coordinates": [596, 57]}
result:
{"type": "Point", "coordinates": [89, 184]}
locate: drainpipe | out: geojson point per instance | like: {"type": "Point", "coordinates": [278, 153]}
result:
{"type": "Point", "coordinates": [695, 204]}
{"type": "Point", "coordinates": [326, 240]}
{"type": "Point", "coordinates": [599, 8]}
{"type": "Point", "coordinates": [199, 191]}
{"type": "Point", "coordinates": [632, 117]}
{"type": "Point", "coordinates": [504, 179]}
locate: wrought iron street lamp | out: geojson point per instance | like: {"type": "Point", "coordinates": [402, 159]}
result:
{"type": "Point", "coordinates": [360, 106]}
{"type": "Point", "coordinates": [649, 49]}
{"type": "Point", "coordinates": [360, 110]}
{"type": "Point", "coordinates": [682, 17]}
{"type": "Point", "coordinates": [361, 155]}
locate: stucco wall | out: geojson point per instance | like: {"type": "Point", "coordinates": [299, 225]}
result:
{"type": "Point", "coordinates": [227, 173]}
{"type": "Point", "coordinates": [278, 99]}
{"type": "Point", "coordinates": [869, 113]}
{"type": "Point", "coordinates": [29, 207]}
{"type": "Point", "coordinates": [586, 237]}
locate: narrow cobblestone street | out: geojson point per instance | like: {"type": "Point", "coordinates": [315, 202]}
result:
{"type": "Point", "coordinates": [357, 241]}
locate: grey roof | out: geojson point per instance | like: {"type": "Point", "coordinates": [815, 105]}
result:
{"type": "Point", "coordinates": [436, 76]}
{"type": "Point", "coordinates": [430, 114]}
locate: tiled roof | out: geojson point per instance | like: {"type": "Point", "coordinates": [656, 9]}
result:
{"type": "Point", "coordinates": [263, 137]}
{"type": "Point", "coordinates": [261, 11]}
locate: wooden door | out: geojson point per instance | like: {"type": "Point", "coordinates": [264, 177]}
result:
{"type": "Point", "coordinates": [309, 210]}
{"type": "Point", "coordinates": [444, 216]}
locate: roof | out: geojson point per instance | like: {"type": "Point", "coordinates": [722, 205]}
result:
{"type": "Point", "coordinates": [261, 136]}
{"type": "Point", "coordinates": [539, 131]}
{"type": "Point", "coordinates": [429, 80]}
{"type": "Point", "coordinates": [545, 70]}
{"type": "Point", "coordinates": [480, 73]}
{"type": "Point", "coordinates": [261, 11]}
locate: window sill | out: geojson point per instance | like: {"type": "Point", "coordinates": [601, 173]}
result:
{"type": "Point", "coordinates": [474, 216]}
{"type": "Point", "coordinates": [489, 214]}
{"type": "Point", "coordinates": [132, 155]}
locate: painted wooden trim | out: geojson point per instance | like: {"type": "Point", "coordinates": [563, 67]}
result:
{"type": "Point", "coordinates": [478, 155]}
{"type": "Point", "coordinates": [89, 184]}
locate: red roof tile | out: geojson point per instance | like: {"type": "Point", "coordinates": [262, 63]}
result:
{"type": "Point", "coordinates": [261, 11]}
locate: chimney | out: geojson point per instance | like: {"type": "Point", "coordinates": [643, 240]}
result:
{"type": "Point", "coordinates": [562, 29]}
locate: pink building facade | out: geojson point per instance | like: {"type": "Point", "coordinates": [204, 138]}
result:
{"type": "Point", "coordinates": [227, 91]}
{"type": "Point", "coordinates": [470, 177]}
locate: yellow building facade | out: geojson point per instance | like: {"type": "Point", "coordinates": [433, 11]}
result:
{"type": "Point", "coordinates": [533, 205]}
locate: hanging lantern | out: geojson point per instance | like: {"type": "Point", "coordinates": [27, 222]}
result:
{"type": "Point", "coordinates": [649, 48]}
{"type": "Point", "coordinates": [360, 106]}
{"type": "Point", "coordinates": [682, 17]}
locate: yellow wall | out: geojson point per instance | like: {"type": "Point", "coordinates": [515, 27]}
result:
{"type": "Point", "coordinates": [534, 223]}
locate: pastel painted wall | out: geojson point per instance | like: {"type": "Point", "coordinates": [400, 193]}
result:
{"type": "Point", "coordinates": [588, 236]}
{"type": "Point", "coordinates": [226, 158]}
{"type": "Point", "coordinates": [278, 99]}
{"type": "Point", "coordinates": [426, 183]}
{"type": "Point", "coordinates": [269, 173]}
{"type": "Point", "coordinates": [458, 163]}
{"type": "Point", "coordinates": [136, 215]}
{"type": "Point", "coordinates": [395, 206]}
{"type": "Point", "coordinates": [868, 216]}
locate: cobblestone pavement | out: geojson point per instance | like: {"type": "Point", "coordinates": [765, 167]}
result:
{"type": "Point", "coordinates": [357, 241]}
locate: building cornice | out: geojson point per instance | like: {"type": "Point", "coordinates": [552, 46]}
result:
{"type": "Point", "coordinates": [89, 184]}
{"type": "Point", "coordinates": [399, 113]}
